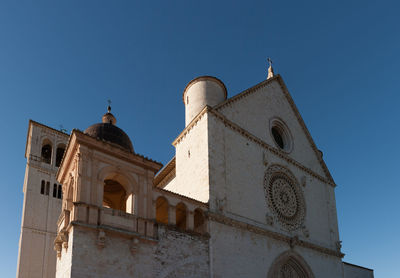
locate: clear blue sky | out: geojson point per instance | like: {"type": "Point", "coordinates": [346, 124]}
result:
{"type": "Point", "coordinates": [61, 60]}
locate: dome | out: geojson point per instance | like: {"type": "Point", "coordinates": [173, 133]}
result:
{"type": "Point", "coordinates": [107, 131]}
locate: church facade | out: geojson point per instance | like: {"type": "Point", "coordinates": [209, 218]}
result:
{"type": "Point", "coordinates": [247, 194]}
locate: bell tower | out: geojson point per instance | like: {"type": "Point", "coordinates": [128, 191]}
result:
{"type": "Point", "coordinates": [42, 201]}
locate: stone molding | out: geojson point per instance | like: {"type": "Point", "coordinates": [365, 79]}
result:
{"type": "Point", "coordinates": [279, 79]}
{"type": "Point", "coordinates": [39, 231]}
{"type": "Point", "coordinates": [295, 263]}
{"type": "Point", "coordinates": [291, 241]}
{"type": "Point", "coordinates": [181, 197]}
{"type": "Point", "coordinates": [54, 131]}
{"type": "Point", "coordinates": [165, 174]}
{"type": "Point", "coordinates": [78, 138]}
{"type": "Point", "coordinates": [192, 124]}
{"type": "Point", "coordinates": [251, 137]}
{"type": "Point", "coordinates": [264, 145]}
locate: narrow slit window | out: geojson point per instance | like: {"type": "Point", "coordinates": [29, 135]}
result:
{"type": "Point", "coordinates": [47, 188]}
{"type": "Point", "coordinates": [59, 193]}
{"type": "Point", "coordinates": [55, 190]}
{"type": "Point", "coordinates": [42, 187]}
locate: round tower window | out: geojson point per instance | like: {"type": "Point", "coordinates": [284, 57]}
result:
{"type": "Point", "coordinates": [281, 135]}
{"type": "Point", "coordinates": [277, 137]}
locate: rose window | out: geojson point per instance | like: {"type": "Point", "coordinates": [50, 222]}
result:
{"type": "Point", "coordinates": [284, 197]}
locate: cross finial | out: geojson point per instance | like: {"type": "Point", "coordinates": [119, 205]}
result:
{"type": "Point", "coordinates": [269, 61]}
{"type": "Point", "coordinates": [109, 106]}
{"type": "Point", "coordinates": [270, 69]}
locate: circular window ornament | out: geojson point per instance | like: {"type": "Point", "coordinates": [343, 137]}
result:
{"type": "Point", "coordinates": [284, 197]}
{"type": "Point", "coordinates": [281, 135]}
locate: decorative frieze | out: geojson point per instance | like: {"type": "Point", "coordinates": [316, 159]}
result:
{"type": "Point", "coordinates": [278, 236]}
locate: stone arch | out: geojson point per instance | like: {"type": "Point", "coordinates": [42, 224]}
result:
{"type": "Point", "coordinates": [290, 264]}
{"type": "Point", "coordinates": [181, 216]}
{"type": "Point", "coordinates": [115, 173]}
{"type": "Point", "coordinates": [60, 153]}
{"type": "Point", "coordinates": [68, 195]}
{"type": "Point", "coordinates": [46, 150]}
{"type": "Point", "coordinates": [199, 221]}
{"type": "Point", "coordinates": [128, 189]}
{"type": "Point", "coordinates": [162, 210]}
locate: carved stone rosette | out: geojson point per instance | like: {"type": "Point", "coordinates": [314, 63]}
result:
{"type": "Point", "coordinates": [284, 197]}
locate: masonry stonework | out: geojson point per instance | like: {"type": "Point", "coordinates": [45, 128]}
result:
{"type": "Point", "coordinates": [247, 194]}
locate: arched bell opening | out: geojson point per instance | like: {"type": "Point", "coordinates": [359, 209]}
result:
{"type": "Point", "coordinates": [59, 154]}
{"type": "Point", "coordinates": [162, 210]}
{"type": "Point", "coordinates": [199, 221]}
{"type": "Point", "coordinates": [114, 195]}
{"type": "Point", "coordinates": [181, 216]}
{"type": "Point", "coordinates": [46, 151]}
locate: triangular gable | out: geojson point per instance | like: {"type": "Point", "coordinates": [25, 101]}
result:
{"type": "Point", "coordinates": [253, 108]}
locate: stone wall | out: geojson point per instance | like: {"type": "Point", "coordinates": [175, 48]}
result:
{"type": "Point", "coordinates": [237, 252]}
{"type": "Point", "coordinates": [355, 271]}
{"type": "Point", "coordinates": [255, 111]}
{"type": "Point", "coordinates": [173, 254]}
{"type": "Point", "coordinates": [192, 177]}
{"type": "Point", "coordinates": [237, 171]}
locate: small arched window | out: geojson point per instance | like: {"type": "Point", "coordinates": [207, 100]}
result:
{"type": "Point", "coordinates": [199, 221]}
{"type": "Point", "coordinates": [162, 210]}
{"type": "Point", "coordinates": [59, 155]}
{"type": "Point", "coordinates": [181, 216]}
{"type": "Point", "coordinates": [46, 153]}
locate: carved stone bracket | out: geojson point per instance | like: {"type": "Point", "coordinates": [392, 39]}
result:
{"type": "Point", "coordinates": [134, 246]}
{"type": "Point", "coordinates": [303, 181]}
{"type": "Point", "coordinates": [60, 242]}
{"type": "Point", "coordinates": [64, 238]}
{"type": "Point", "coordinates": [339, 245]}
{"type": "Point", "coordinates": [58, 248]}
{"type": "Point", "coordinates": [265, 158]}
{"type": "Point", "coordinates": [306, 232]}
{"type": "Point", "coordinates": [101, 239]}
{"type": "Point", "coordinates": [220, 204]}
{"type": "Point", "coordinates": [269, 219]}
{"type": "Point", "coordinates": [294, 241]}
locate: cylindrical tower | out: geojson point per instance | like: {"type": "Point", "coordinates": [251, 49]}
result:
{"type": "Point", "coordinates": [202, 91]}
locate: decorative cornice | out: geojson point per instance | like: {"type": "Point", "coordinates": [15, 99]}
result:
{"type": "Point", "coordinates": [294, 108]}
{"type": "Point", "coordinates": [79, 138]}
{"type": "Point", "coordinates": [273, 150]}
{"type": "Point", "coordinates": [171, 175]}
{"type": "Point", "coordinates": [32, 122]}
{"type": "Point", "coordinates": [191, 125]}
{"type": "Point", "coordinates": [39, 230]}
{"type": "Point", "coordinates": [305, 129]}
{"type": "Point", "coordinates": [258, 230]}
{"type": "Point", "coordinates": [202, 78]}
{"type": "Point", "coordinates": [167, 192]}
{"type": "Point", "coordinates": [113, 229]}
{"type": "Point", "coordinates": [165, 174]}
{"type": "Point", "coordinates": [245, 93]}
